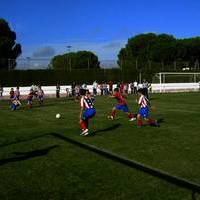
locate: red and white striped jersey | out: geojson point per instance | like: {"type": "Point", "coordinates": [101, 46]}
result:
{"type": "Point", "coordinates": [40, 92]}
{"type": "Point", "coordinates": [143, 101]}
{"type": "Point", "coordinates": [86, 102]}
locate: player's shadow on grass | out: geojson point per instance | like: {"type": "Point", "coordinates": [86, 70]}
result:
{"type": "Point", "coordinates": [24, 140]}
{"type": "Point", "coordinates": [115, 126]}
{"type": "Point", "coordinates": [160, 120]}
{"type": "Point", "coordinates": [20, 156]}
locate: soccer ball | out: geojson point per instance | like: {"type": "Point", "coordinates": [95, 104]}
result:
{"type": "Point", "coordinates": [110, 117]}
{"type": "Point", "coordinates": [58, 116]}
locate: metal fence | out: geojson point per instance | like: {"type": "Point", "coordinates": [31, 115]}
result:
{"type": "Point", "coordinates": [45, 63]}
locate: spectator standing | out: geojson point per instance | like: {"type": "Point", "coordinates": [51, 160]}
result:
{"type": "Point", "coordinates": [95, 88]}
{"type": "Point", "coordinates": [77, 92]}
{"type": "Point", "coordinates": [101, 88]}
{"type": "Point", "coordinates": [1, 91]}
{"type": "Point", "coordinates": [73, 88]}
{"type": "Point", "coordinates": [84, 86]}
{"type": "Point", "coordinates": [122, 87]}
{"type": "Point", "coordinates": [135, 85]}
{"type": "Point", "coordinates": [145, 86]}
{"type": "Point", "coordinates": [199, 85]}
{"type": "Point", "coordinates": [105, 89]}
{"type": "Point", "coordinates": [67, 92]}
{"type": "Point", "coordinates": [17, 93]}
{"type": "Point", "coordinates": [126, 87]}
{"type": "Point", "coordinates": [57, 91]}
{"type": "Point", "coordinates": [132, 87]}
{"type": "Point", "coordinates": [110, 87]}
{"type": "Point", "coordinates": [34, 88]}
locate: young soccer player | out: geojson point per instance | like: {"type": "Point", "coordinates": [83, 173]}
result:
{"type": "Point", "coordinates": [77, 93]}
{"type": "Point", "coordinates": [87, 111]}
{"type": "Point", "coordinates": [144, 111]}
{"type": "Point", "coordinates": [122, 105]}
{"type": "Point", "coordinates": [40, 95]}
{"type": "Point", "coordinates": [30, 99]}
{"type": "Point", "coordinates": [12, 94]}
{"type": "Point", "coordinates": [17, 93]}
{"type": "Point", "coordinates": [15, 104]}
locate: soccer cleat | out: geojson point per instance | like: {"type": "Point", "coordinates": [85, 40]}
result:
{"type": "Point", "coordinates": [157, 124]}
{"type": "Point", "coordinates": [110, 117]}
{"type": "Point", "coordinates": [87, 133]}
{"type": "Point", "coordinates": [132, 119]}
{"type": "Point", "coordinates": [84, 132]}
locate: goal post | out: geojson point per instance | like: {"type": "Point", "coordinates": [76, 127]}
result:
{"type": "Point", "coordinates": [178, 81]}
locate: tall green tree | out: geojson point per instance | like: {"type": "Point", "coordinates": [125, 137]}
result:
{"type": "Point", "coordinates": [75, 60]}
{"type": "Point", "coordinates": [156, 50]}
{"type": "Point", "coordinates": [9, 49]}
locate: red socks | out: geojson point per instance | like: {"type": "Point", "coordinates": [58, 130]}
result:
{"type": "Point", "coordinates": [139, 122]}
{"type": "Point", "coordinates": [151, 122]}
{"type": "Point", "coordinates": [113, 113]}
{"type": "Point", "coordinates": [130, 115]}
{"type": "Point", "coordinates": [83, 125]}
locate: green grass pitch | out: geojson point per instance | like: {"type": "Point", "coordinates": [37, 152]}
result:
{"type": "Point", "coordinates": [36, 165]}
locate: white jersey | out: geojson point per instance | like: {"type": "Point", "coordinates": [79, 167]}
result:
{"type": "Point", "coordinates": [135, 84]}
{"type": "Point", "coordinates": [95, 85]}
{"type": "Point", "coordinates": [143, 101]}
{"type": "Point", "coordinates": [40, 92]}
{"type": "Point", "coordinates": [145, 85]}
{"type": "Point", "coordinates": [17, 93]}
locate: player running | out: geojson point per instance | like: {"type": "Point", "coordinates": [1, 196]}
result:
{"type": "Point", "coordinates": [40, 94]}
{"type": "Point", "coordinates": [30, 99]}
{"type": "Point", "coordinates": [15, 104]}
{"type": "Point", "coordinates": [144, 111]}
{"type": "Point", "coordinates": [12, 94]}
{"type": "Point", "coordinates": [87, 112]}
{"type": "Point", "coordinates": [122, 105]}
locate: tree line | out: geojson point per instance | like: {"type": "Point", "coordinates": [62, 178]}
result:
{"type": "Point", "coordinates": [152, 49]}
{"type": "Point", "coordinates": [9, 49]}
{"type": "Point", "coordinates": [144, 51]}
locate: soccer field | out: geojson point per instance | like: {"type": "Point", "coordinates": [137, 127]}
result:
{"type": "Point", "coordinates": [34, 164]}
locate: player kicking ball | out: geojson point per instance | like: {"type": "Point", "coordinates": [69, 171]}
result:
{"type": "Point", "coordinates": [122, 105]}
{"type": "Point", "coordinates": [15, 104]}
{"type": "Point", "coordinates": [87, 111]}
{"type": "Point", "coordinates": [144, 111]}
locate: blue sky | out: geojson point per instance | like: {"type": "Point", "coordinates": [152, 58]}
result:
{"type": "Point", "coordinates": [103, 26]}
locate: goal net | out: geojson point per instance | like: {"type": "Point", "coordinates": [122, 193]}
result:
{"type": "Point", "coordinates": [177, 81]}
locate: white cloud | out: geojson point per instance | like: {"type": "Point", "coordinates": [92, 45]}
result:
{"type": "Point", "coordinates": [47, 51]}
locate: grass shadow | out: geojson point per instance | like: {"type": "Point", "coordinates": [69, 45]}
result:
{"type": "Point", "coordinates": [160, 120]}
{"type": "Point", "coordinates": [28, 155]}
{"type": "Point", "coordinates": [115, 126]}
{"type": "Point", "coordinates": [24, 140]}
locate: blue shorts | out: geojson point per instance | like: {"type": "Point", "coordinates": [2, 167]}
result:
{"type": "Point", "coordinates": [122, 107]}
{"type": "Point", "coordinates": [144, 112]}
{"type": "Point", "coordinates": [41, 98]}
{"type": "Point", "coordinates": [89, 113]}
{"type": "Point", "coordinates": [14, 107]}
{"type": "Point", "coordinates": [30, 102]}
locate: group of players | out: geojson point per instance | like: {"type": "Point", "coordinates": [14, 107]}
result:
{"type": "Point", "coordinates": [35, 92]}
{"type": "Point", "coordinates": [88, 110]}
{"type": "Point", "coordinates": [87, 106]}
